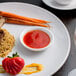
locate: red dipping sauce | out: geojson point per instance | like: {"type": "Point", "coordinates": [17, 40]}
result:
{"type": "Point", "coordinates": [36, 39]}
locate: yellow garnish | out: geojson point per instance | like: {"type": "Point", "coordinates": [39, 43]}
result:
{"type": "Point", "coordinates": [32, 68]}
{"type": "Point", "coordinates": [1, 69]}
{"type": "Point", "coordinates": [28, 69]}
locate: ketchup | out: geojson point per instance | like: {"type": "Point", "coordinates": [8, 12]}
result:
{"type": "Point", "coordinates": [36, 39]}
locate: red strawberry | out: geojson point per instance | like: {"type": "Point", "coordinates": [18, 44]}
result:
{"type": "Point", "coordinates": [13, 65]}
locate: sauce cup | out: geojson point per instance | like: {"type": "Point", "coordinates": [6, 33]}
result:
{"type": "Point", "coordinates": [47, 31]}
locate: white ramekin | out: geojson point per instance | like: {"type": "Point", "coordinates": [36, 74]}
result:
{"type": "Point", "coordinates": [36, 28]}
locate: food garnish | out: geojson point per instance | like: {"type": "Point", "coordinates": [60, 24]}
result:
{"type": "Point", "coordinates": [16, 19]}
{"type": "Point", "coordinates": [32, 68]}
{"type": "Point", "coordinates": [28, 69]}
{"type": "Point", "coordinates": [7, 42]}
{"type": "Point", "coordinates": [1, 69]}
{"type": "Point", "coordinates": [13, 65]}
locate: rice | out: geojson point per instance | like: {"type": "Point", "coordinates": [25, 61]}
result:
{"type": "Point", "coordinates": [7, 42]}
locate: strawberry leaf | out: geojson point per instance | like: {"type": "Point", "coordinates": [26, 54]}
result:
{"type": "Point", "coordinates": [14, 55]}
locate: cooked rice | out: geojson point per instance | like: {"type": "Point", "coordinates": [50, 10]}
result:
{"type": "Point", "coordinates": [6, 43]}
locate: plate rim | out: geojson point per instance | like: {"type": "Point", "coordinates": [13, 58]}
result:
{"type": "Point", "coordinates": [67, 32]}
{"type": "Point", "coordinates": [57, 8]}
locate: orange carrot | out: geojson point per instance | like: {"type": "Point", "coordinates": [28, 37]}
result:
{"type": "Point", "coordinates": [11, 15]}
{"type": "Point", "coordinates": [22, 22]}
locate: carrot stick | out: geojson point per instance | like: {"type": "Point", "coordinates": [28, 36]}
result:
{"type": "Point", "coordinates": [11, 15]}
{"type": "Point", "coordinates": [22, 22]}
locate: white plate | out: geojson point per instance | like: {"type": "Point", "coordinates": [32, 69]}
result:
{"type": "Point", "coordinates": [53, 4]}
{"type": "Point", "coordinates": [54, 57]}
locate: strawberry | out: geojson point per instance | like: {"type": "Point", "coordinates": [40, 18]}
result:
{"type": "Point", "coordinates": [13, 65]}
